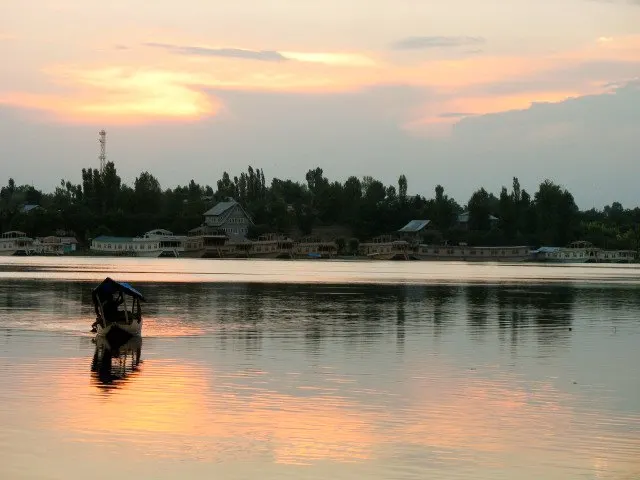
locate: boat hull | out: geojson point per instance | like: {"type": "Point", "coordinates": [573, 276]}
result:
{"type": "Point", "coordinates": [117, 334]}
{"type": "Point", "coordinates": [472, 259]}
{"type": "Point", "coordinates": [158, 254]}
{"type": "Point", "coordinates": [274, 255]}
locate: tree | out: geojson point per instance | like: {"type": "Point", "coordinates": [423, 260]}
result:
{"type": "Point", "coordinates": [479, 207]}
{"type": "Point", "coordinates": [147, 194]}
{"type": "Point", "coordinates": [402, 188]}
{"type": "Point", "coordinates": [556, 213]}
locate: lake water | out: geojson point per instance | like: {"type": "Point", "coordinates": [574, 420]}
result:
{"type": "Point", "coordinates": [322, 369]}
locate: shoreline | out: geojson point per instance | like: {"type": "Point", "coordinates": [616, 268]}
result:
{"type": "Point", "coordinates": [344, 258]}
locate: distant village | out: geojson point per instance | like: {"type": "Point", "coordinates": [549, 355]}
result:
{"type": "Point", "coordinates": [223, 234]}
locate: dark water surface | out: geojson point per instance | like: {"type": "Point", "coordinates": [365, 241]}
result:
{"type": "Point", "coordinates": [308, 370]}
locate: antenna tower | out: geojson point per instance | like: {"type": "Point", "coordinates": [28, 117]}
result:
{"type": "Point", "coordinates": [103, 149]}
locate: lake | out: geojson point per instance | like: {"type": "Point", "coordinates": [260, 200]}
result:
{"type": "Point", "coordinates": [322, 369]}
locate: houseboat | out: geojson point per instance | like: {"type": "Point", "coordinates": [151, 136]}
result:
{"type": "Point", "coordinates": [315, 247]}
{"type": "Point", "coordinates": [582, 252]}
{"type": "Point", "coordinates": [155, 243]}
{"type": "Point", "coordinates": [54, 245]}
{"type": "Point", "coordinates": [466, 253]}
{"type": "Point", "coordinates": [616, 256]}
{"type": "Point", "coordinates": [272, 245]}
{"type": "Point", "coordinates": [575, 252]}
{"type": "Point", "coordinates": [386, 248]}
{"type": "Point", "coordinates": [15, 243]}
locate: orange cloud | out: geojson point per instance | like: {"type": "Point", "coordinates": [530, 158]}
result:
{"type": "Point", "coordinates": [124, 95]}
{"type": "Point", "coordinates": [439, 118]}
{"type": "Point", "coordinates": [177, 90]}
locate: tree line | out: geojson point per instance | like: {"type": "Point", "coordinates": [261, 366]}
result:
{"type": "Point", "coordinates": [103, 204]}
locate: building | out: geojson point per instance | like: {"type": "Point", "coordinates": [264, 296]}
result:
{"type": "Point", "coordinates": [463, 221]}
{"type": "Point", "coordinates": [155, 243]}
{"type": "Point", "coordinates": [414, 230]}
{"type": "Point", "coordinates": [228, 217]}
{"type": "Point", "coordinates": [28, 208]}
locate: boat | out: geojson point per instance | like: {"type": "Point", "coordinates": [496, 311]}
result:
{"type": "Point", "coordinates": [272, 245]}
{"type": "Point", "coordinates": [115, 319]}
{"type": "Point", "coordinates": [386, 247]}
{"type": "Point", "coordinates": [465, 253]}
{"type": "Point", "coordinates": [15, 243]}
{"type": "Point", "coordinates": [155, 244]}
{"type": "Point", "coordinates": [575, 252]}
{"type": "Point", "coordinates": [315, 247]}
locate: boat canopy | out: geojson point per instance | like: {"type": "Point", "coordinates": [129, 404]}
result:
{"type": "Point", "coordinates": [109, 286]}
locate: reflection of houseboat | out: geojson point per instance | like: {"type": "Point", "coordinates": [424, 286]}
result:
{"type": "Point", "coordinates": [470, 254]}
{"type": "Point", "coordinates": [314, 247]}
{"type": "Point", "coordinates": [155, 243]}
{"type": "Point", "coordinates": [386, 248]}
{"type": "Point", "coordinates": [272, 246]}
{"type": "Point", "coordinates": [15, 243]}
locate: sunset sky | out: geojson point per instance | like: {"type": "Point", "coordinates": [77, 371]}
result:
{"type": "Point", "coordinates": [461, 93]}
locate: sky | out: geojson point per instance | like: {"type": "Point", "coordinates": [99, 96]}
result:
{"type": "Point", "coordinates": [460, 93]}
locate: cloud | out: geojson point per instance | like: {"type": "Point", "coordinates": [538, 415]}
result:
{"type": "Point", "coordinates": [629, 2]}
{"type": "Point", "coordinates": [586, 143]}
{"type": "Point", "coordinates": [475, 85]}
{"type": "Point", "coordinates": [419, 43]}
{"type": "Point", "coordinates": [327, 58]}
{"type": "Point", "coordinates": [123, 95]}
{"type": "Point", "coordinates": [455, 115]}
{"type": "Point", "coordinates": [261, 55]}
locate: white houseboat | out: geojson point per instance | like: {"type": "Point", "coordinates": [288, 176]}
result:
{"type": "Point", "coordinates": [616, 256]}
{"type": "Point", "coordinates": [15, 243]}
{"type": "Point", "coordinates": [582, 252]}
{"type": "Point", "coordinates": [155, 243]}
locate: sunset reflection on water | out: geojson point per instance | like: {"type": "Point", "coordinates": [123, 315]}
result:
{"type": "Point", "coordinates": [277, 381]}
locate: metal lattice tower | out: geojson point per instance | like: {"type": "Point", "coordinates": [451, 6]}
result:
{"type": "Point", "coordinates": [103, 150]}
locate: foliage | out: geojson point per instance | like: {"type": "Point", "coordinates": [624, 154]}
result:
{"type": "Point", "coordinates": [102, 203]}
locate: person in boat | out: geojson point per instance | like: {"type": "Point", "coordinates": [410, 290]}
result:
{"type": "Point", "coordinates": [110, 309]}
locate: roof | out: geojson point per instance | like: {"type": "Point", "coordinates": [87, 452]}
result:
{"type": "Point", "coordinates": [106, 238]}
{"type": "Point", "coordinates": [415, 226]}
{"type": "Point", "coordinates": [110, 286]}
{"type": "Point", "coordinates": [220, 208]}
{"type": "Point", "coordinates": [547, 250]}
{"type": "Point", "coordinates": [28, 208]}
{"type": "Point", "coordinates": [464, 217]}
